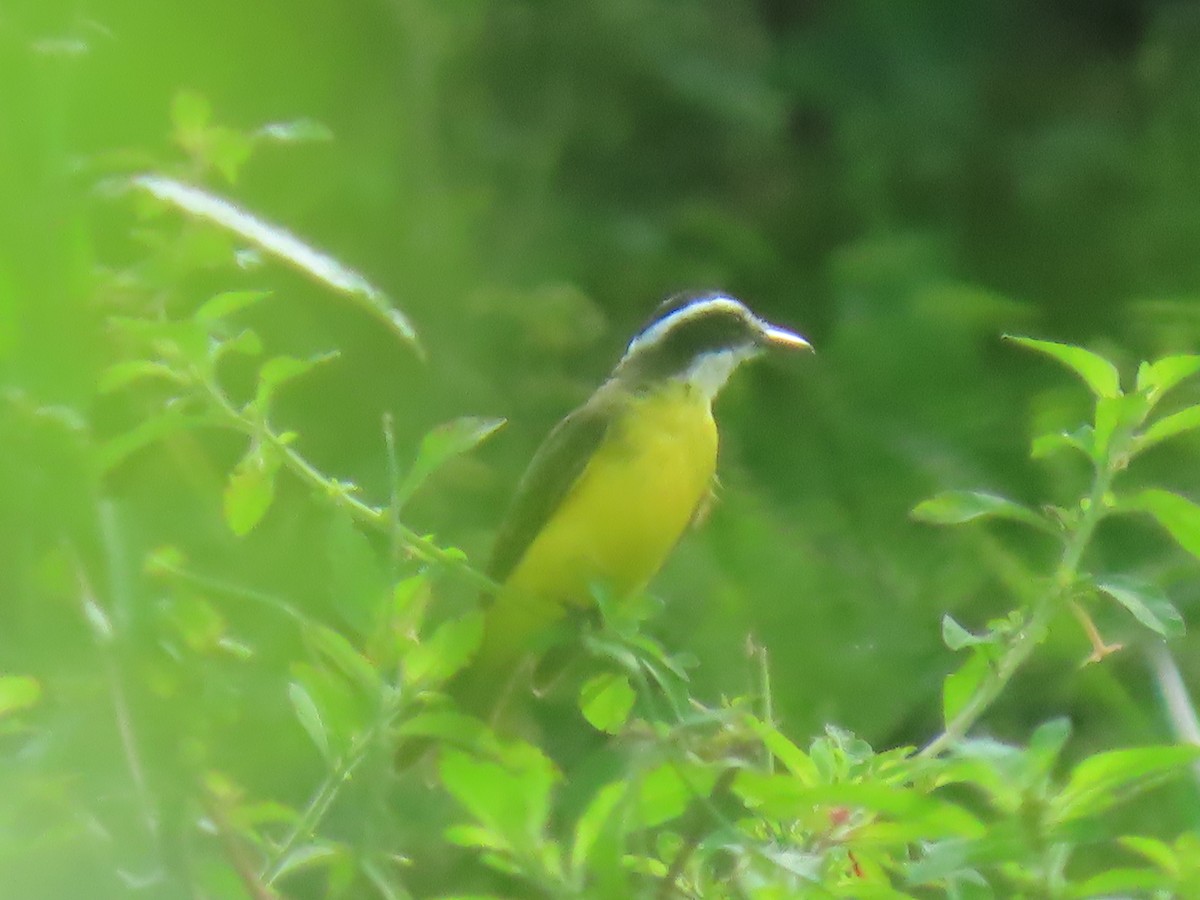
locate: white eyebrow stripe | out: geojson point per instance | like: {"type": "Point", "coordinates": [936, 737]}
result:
{"type": "Point", "coordinates": [655, 332]}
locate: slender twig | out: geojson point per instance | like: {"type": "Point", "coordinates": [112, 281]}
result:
{"type": "Point", "coordinates": [1026, 638]}
{"type": "Point", "coordinates": [103, 634]}
{"type": "Point", "coordinates": [320, 802]}
{"type": "Point", "coordinates": [235, 849]}
{"type": "Point", "coordinates": [380, 519]}
{"type": "Point", "coordinates": [668, 887]}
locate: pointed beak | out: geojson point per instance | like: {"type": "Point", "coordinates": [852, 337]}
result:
{"type": "Point", "coordinates": [774, 336]}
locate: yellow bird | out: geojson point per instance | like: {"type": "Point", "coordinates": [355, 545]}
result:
{"type": "Point", "coordinates": [611, 489]}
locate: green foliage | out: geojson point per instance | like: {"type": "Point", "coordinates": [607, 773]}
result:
{"type": "Point", "coordinates": [225, 639]}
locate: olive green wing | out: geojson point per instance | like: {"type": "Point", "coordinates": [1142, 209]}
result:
{"type": "Point", "coordinates": [554, 469]}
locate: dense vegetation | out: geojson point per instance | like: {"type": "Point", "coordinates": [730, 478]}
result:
{"type": "Point", "coordinates": [246, 485]}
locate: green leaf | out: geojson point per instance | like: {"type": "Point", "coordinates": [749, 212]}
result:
{"type": "Point", "coordinates": [795, 760]}
{"type": "Point", "coordinates": [279, 370]}
{"type": "Point", "coordinates": [959, 686]}
{"type": "Point", "coordinates": [1047, 444]}
{"type": "Point", "coordinates": [956, 507]}
{"type": "Point", "coordinates": [1100, 375]}
{"type": "Point", "coordinates": [592, 823]}
{"type": "Point", "coordinates": [148, 430]}
{"type": "Point", "coordinates": [1178, 515]}
{"type": "Point", "coordinates": [1147, 604]}
{"type": "Point", "coordinates": [226, 150]}
{"type": "Point", "coordinates": [1152, 849]}
{"type": "Point", "coordinates": [309, 717]}
{"type": "Point", "coordinates": [605, 701]}
{"type": "Point", "coordinates": [1156, 378]}
{"type": "Point", "coordinates": [18, 692]}
{"type": "Point", "coordinates": [122, 374]}
{"type": "Point", "coordinates": [251, 488]}
{"type": "Point", "coordinates": [1046, 744]}
{"type": "Point", "coordinates": [1116, 415]}
{"type": "Point", "coordinates": [1123, 882]}
{"type": "Point", "coordinates": [510, 798]}
{"type": "Point", "coordinates": [664, 793]}
{"type": "Point", "coordinates": [1105, 779]}
{"type": "Point", "coordinates": [446, 651]}
{"type": "Point", "coordinates": [226, 304]}
{"type": "Point", "coordinates": [956, 637]}
{"type": "Point", "coordinates": [1168, 427]}
{"type": "Point", "coordinates": [442, 444]}
{"type": "Point", "coordinates": [190, 112]}
{"type": "Point", "coordinates": [334, 647]}
{"type": "Point", "coordinates": [308, 856]}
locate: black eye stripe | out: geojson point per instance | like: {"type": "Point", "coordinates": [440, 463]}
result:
{"type": "Point", "coordinates": [671, 351]}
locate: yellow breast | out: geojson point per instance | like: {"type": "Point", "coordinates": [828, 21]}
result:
{"type": "Point", "coordinates": [621, 518]}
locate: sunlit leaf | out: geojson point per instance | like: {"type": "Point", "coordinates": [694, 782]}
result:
{"type": "Point", "coordinates": [511, 799]}
{"type": "Point", "coordinates": [338, 650]}
{"type": "Point", "coordinates": [606, 700]}
{"type": "Point", "coordinates": [1156, 851]}
{"type": "Point", "coordinates": [795, 760]}
{"type": "Point", "coordinates": [474, 836]}
{"type": "Point", "coordinates": [956, 507]}
{"type": "Point", "coordinates": [1147, 603]}
{"type": "Point", "coordinates": [283, 245]}
{"type": "Point", "coordinates": [442, 444]}
{"type": "Point", "coordinates": [226, 304]}
{"type": "Point", "coordinates": [1122, 882]}
{"type": "Point", "coordinates": [1046, 444]}
{"type": "Point", "coordinates": [959, 686]}
{"type": "Point", "coordinates": [251, 488]}
{"type": "Point", "coordinates": [309, 717]}
{"type": "Point", "coordinates": [308, 856]}
{"type": "Point", "coordinates": [1168, 427]}
{"type": "Point", "coordinates": [446, 651]}
{"type": "Point", "coordinates": [595, 820]}
{"type": "Point", "coordinates": [664, 793]}
{"type": "Point", "coordinates": [1116, 415]}
{"type": "Point", "coordinates": [1158, 377]}
{"type": "Point", "coordinates": [1102, 780]}
{"type": "Point", "coordinates": [125, 373]}
{"type": "Point", "coordinates": [955, 637]}
{"type": "Point", "coordinates": [279, 370]}
{"type": "Point", "coordinates": [226, 149]}
{"type": "Point", "coordinates": [18, 692]}
{"type": "Point", "coordinates": [1178, 515]}
{"type": "Point", "coordinates": [190, 111]}
{"type": "Point", "coordinates": [1100, 375]}
{"type": "Point", "coordinates": [197, 622]}
{"type": "Point", "coordinates": [1046, 744]}
{"type": "Point", "coordinates": [146, 431]}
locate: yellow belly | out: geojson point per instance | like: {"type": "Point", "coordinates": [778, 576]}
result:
{"type": "Point", "coordinates": [618, 523]}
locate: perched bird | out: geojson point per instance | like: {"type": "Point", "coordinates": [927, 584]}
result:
{"type": "Point", "coordinates": [615, 483]}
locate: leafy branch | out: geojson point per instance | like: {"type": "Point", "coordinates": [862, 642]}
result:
{"type": "Point", "coordinates": [1120, 430]}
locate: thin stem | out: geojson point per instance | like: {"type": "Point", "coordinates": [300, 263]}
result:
{"type": "Point", "coordinates": [319, 804]}
{"type": "Point", "coordinates": [381, 519]}
{"type": "Point", "coordinates": [1023, 642]}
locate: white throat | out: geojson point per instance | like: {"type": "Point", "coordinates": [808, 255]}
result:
{"type": "Point", "coordinates": [709, 371]}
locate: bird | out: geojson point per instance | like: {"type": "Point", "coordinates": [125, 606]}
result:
{"type": "Point", "coordinates": [614, 485]}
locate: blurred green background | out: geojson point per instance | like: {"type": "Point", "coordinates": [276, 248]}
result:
{"type": "Point", "coordinates": [900, 182]}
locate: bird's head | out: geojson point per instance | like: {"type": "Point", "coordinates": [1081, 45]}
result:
{"type": "Point", "coordinates": [701, 339]}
